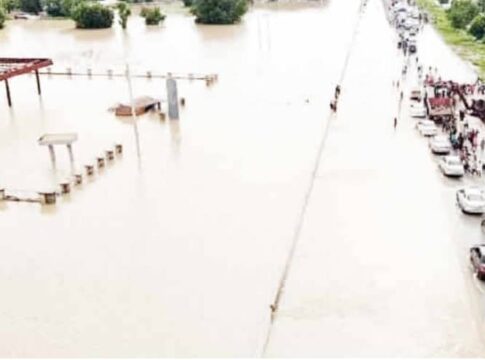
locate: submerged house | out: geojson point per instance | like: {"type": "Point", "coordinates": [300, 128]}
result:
{"type": "Point", "coordinates": [141, 105]}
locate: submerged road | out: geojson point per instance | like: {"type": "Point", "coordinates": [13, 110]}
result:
{"type": "Point", "coordinates": [379, 270]}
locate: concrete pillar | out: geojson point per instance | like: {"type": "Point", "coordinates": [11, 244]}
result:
{"type": "Point", "coordinates": [78, 179]}
{"type": "Point", "coordinates": [110, 155]}
{"type": "Point", "coordinates": [53, 155]}
{"type": "Point", "coordinates": [89, 170]}
{"type": "Point", "coordinates": [65, 187]}
{"type": "Point", "coordinates": [71, 154]}
{"type": "Point", "coordinates": [173, 102]}
{"type": "Point", "coordinates": [48, 198]}
{"type": "Point", "coordinates": [101, 162]}
{"type": "Point", "coordinates": [119, 149]}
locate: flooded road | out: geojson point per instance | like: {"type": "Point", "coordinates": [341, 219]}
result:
{"type": "Point", "coordinates": [178, 251]}
{"type": "Point", "coordinates": [381, 267]}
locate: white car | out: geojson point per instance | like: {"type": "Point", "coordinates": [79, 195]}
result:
{"type": "Point", "coordinates": [417, 110]}
{"type": "Point", "coordinates": [471, 200]}
{"type": "Point", "coordinates": [440, 145]}
{"type": "Point", "coordinates": [452, 166]}
{"type": "Point", "coordinates": [427, 128]}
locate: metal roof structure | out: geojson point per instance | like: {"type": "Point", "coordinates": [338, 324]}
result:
{"type": "Point", "coordinates": [11, 67]}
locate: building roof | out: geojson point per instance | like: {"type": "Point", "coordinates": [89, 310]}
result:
{"type": "Point", "coordinates": [142, 101]}
{"type": "Point", "coordinates": [10, 67]}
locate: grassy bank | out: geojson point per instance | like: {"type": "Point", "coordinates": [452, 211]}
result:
{"type": "Point", "coordinates": [463, 43]}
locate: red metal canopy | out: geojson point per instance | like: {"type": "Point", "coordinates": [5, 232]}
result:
{"type": "Point", "coordinates": [10, 67]}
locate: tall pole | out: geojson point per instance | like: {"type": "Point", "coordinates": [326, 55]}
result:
{"type": "Point", "coordinates": [39, 90]}
{"type": "Point", "coordinates": [7, 88]}
{"type": "Point", "coordinates": [133, 111]}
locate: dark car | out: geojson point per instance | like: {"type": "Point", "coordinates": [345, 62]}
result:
{"type": "Point", "coordinates": [477, 259]}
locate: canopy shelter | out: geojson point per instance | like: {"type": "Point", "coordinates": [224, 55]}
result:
{"type": "Point", "coordinates": [50, 140]}
{"type": "Point", "coordinates": [11, 67]}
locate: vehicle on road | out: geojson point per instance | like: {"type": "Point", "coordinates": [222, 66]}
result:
{"type": "Point", "coordinates": [416, 94]}
{"type": "Point", "coordinates": [471, 200]}
{"type": "Point", "coordinates": [440, 145]}
{"type": "Point", "coordinates": [452, 166]}
{"type": "Point", "coordinates": [418, 111]}
{"type": "Point", "coordinates": [477, 260]}
{"type": "Point", "coordinates": [412, 46]}
{"type": "Point", "coordinates": [427, 128]}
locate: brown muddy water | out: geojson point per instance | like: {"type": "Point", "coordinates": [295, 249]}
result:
{"type": "Point", "coordinates": [177, 249]}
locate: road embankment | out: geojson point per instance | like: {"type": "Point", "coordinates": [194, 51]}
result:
{"type": "Point", "coordinates": [462, 43]}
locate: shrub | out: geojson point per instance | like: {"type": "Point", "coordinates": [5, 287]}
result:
{"type": "Point", "coordinates": [152, 16]}
{"type": "Point", "coordinates": [10, 5]}
{"type": "Point", "coordinates": [30, 6]}
{"type": "Point", "coordinates": [462, 12]}
{"type": "Point", "coordinates": [477, 27]}
{"type": "Point", "coordinates": [3, 17]}
{"type": "Point", "coordinates": [123, 11]}
{"type": "Point", "coordinates": [92, 16]}
{"type": "Point", "coordinates": [188, 3]}
{"type": "Point", "coordinates": [59, 7]}
{"type": "Point", "coordinates": [219, 11]}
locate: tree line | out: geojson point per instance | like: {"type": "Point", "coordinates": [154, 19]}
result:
{"type": "Point", "coordinates": [89, 14]}
{"type": "Point", "coordinates": [468, 15]}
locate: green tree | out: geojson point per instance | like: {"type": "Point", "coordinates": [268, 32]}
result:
{"type": "Point", "coordinates": [462, 12]}
{"type": "Point", "coordinates": [59, 7]}
{"type": "Point", "coordinates": [3, 17]}
{"type": "Point", "coordinates": [31, 6]}
{"type": "Point", "coordinates": [152, 16]}
{"type": "Point", "coordinates": [123, 11]}
{"type": "Point", "coordinates": [188, 3]}
{"type": "Point", "coordinates": [219, 11]}
{"type": "Point", "coordinates": [481, 5]}
{"type": "Point", "coordinates": [477, 26]}
{"type": "Point", "coordinates": [9, 5]}
{"type": "Point", "coordinates": [89, 15]}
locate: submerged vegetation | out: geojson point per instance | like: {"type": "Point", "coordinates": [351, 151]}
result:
{"type": "Point", "coordinates": [153, 16]}
{"type": "Point", "coordinates": [219, 11]}
{"type": "Point", "coordinates": [88, 15]}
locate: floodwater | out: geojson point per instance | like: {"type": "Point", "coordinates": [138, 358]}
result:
{"type": "Point", "coordinates": [176, 249]}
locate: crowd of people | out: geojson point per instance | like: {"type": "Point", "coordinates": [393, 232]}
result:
{"type": "Point", "coordinates": [466, 141]}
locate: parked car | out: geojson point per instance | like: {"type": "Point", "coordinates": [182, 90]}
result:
{"type": "Point", "coordinates": [477, 260]}
{"type": "Point", "coordinates": [451, 166]}
{"type": "Point", "coordinates": [427, 128]}
{"type": "Point", "coordinates": [416, 94]}
{"type": "Point", "coordinates": [471, 200]}
{"type": "Point", "coordinates": [412, 46]}
{"type": "Point", "coordinates": [440, 145]}
{"type": "Point", "coordinates": [418, 111]}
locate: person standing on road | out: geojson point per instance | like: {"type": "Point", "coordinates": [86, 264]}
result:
{"type": "Point", "coordinates": [395, 123]}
